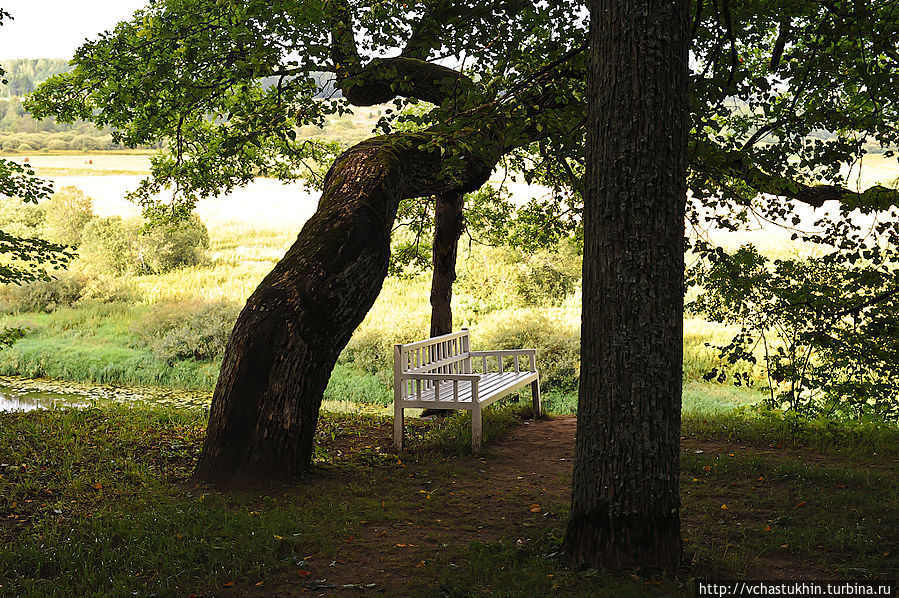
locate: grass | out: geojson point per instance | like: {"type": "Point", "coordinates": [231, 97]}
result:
{"type": "Point", "coordinates": [99, 502]}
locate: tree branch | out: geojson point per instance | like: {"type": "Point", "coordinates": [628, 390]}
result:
{"type": "Point", "coordinates": [383, 79]}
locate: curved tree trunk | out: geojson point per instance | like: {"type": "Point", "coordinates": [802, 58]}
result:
{"type": "Point", "coordinates": [288, 337]}
{"type": "Point", "coordinates": [625, 496]}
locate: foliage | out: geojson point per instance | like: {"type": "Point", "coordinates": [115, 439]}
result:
{"type": "Point", "coordinates": [109, 245]}
{"type": "Point", "coordinates": [825, 330]}
{"type": "Point", "coordinates": [785, 96]}
{"type": "Point", "coordinates": [23, 75]}
{"type": "Point", "coordinates": [43, 295]}
{"type": "Point", "coordinates": [66, 213]}
{"type": "Point", "coordinates": [172, 245]}
{"type": "Point", "coordinates": [115, 246]}
{"type": "Point", "coordinates": [556, 339]}
{"type": "Point", "coordinates": [24, 257]}
{"type": "Point", "coordinates": [188, 330]}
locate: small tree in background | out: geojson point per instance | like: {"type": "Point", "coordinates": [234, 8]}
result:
{"type": "Point", "coordinates": [66, 213]}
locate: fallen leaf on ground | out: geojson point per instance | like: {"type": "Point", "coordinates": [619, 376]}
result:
{"type": "Point", "coordinates": [303, 573]}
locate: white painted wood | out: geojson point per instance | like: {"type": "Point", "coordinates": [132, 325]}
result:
{"type": "Point", "coordinates": [420, 367]}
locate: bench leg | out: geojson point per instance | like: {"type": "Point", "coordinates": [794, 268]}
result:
{"type": "Point", "coordinates": [476, 429]}
{"type": "Point", "coordinates": [398, 426]}
{"type": "Point", "coordinates": [535, 398]}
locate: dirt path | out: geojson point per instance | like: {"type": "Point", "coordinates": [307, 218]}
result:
{"type": "Point", "coordinates": [520, 489]}
{"type": "Point", "coordinates": [521, 483]}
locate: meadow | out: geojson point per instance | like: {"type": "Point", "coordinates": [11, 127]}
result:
{"type": "Point", "coordinates": [508, 299]}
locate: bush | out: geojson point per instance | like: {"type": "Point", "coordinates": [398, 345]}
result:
{"type": "Point", "coordinates": [67, 213]}
{"type": "Point", "coordinates": [43, 295]}
{"type": "Point", "coordinates": [116, 246]}
{"type": "Point", "coordinates": [20, 218]}
{"type": "Point", "coordinates": [548, 277]}
{"type": "Point", "coordinates": [188, 330]}
{"type": "Point", "coordinates": [85, 143]}
{"type": "Point", "coordinates": [371, 347]}
{"type": "Point", "coordinates": [554, 333]}
{"type": "Point", "coordinates": [167, 247]}
{"type": "Point", "coordinates": [108, 245]}
{"type": "Point", "coordinates": [58, 144]}
{"type": "Point", "coordinates": [501, 278]}
{"type": "Point", "coordinates": [109, 289]}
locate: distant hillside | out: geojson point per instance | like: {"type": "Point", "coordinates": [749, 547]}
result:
{"type": "Point", "coordinates": [24, 74]}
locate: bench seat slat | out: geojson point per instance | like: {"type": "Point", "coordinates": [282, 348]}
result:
{"type": "Point", "coordinates": [489, 386]}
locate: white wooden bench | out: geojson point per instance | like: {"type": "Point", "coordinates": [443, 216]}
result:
{"type": "Point", "coordinates": [437, 374]}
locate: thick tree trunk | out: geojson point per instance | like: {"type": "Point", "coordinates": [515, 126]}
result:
{"type": "Point", "coordinates": [447, 230]}
{"type": "Point", "coordinates": [625, 500]}
{"type": "Point", "coordinates": [287, 339]}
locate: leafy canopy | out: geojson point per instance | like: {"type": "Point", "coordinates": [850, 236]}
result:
{"type": "Point", "coordinates": [785, 96]}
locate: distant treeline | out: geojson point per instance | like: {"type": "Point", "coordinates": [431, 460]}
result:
{"type": "Point", "coordinates": [25, 74]}
{"type": "Point", "coordinates": [20, 133]}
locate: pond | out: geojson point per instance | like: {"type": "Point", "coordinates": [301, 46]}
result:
{"type": "Point", "coordinates": [18, 394]}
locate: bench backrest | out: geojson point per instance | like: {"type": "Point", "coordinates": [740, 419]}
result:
{"type": "Point", "coordinates": [445, 354]}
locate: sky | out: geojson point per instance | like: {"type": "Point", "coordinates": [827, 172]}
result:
{"type": "Point", "coordinates": [56, 28]}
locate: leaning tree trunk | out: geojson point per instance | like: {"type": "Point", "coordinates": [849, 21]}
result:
{"type": "Point", "coordinates": [287, 339]}
{"type": "Point", "coordinates": [625, 500]}
{"type": "Point", "coordinates": [447, 230]}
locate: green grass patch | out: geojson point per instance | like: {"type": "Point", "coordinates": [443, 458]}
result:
{"type": "Point", "coordinates": [99, 502]}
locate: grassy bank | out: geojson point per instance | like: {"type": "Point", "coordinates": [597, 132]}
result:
{"type": "Point", "coordinates": [168, 329]}
{"type": "Point", "coordinates": [99, 503]}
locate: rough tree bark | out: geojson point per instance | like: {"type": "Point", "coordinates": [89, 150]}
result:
{"type": "Point", "coordinates": [625, 500]}
{"type": "Point", "coordinates": [447, 230]}
{"type": "Point", "coordinates": [287, 339]}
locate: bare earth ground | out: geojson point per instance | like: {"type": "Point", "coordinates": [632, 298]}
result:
{"type": "Point", "coordinates": [521, 483]}
{"type": "Point", "coordinates": [520, 487]}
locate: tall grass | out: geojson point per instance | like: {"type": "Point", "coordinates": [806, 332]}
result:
{"type": "Point", "coordinates": [507, 300]}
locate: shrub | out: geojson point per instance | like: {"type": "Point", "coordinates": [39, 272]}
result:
{"type": "Point", "coordinates": [108, 245]}
{"type": "Point", "coordinates": [109, 289]}
{"type": "Point", "coordinates": [67, 213]}
{"type": "Point", "coordinates": [58, 144]}
{"type": "Point", "coordinates": [20, 218]}
{"type": "Point", "coordinates": [500, 278]}
{"type": "Point", "coordinates": [43, 295]}
{"type": "Point", "coordinates": [371, 347]}
{"type": "Point", "coordinates": [554, 333]}
{"type": "Point", "coordinates": [188, 330]}
{"type": "Point", "coordinates": [170, 246]}
{"type": "Point", "coordinates": [85, 143]}
{"type": "Point", "coordinates": [548, 277]}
